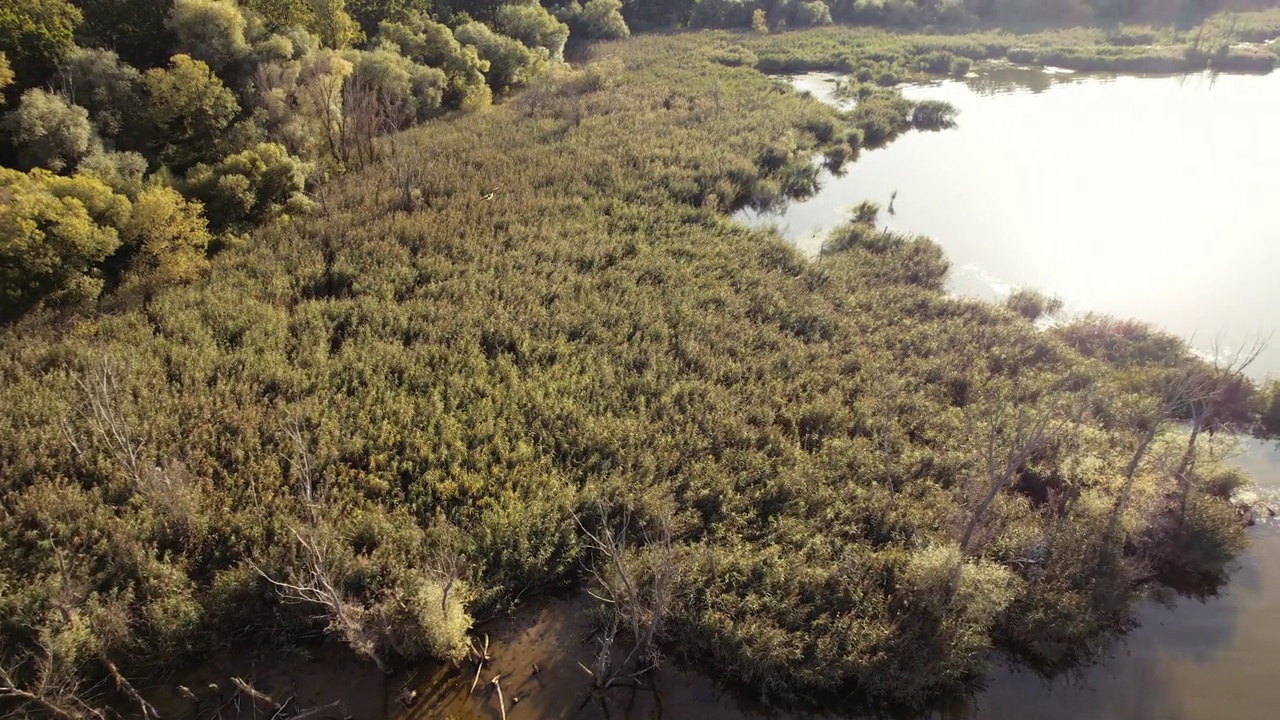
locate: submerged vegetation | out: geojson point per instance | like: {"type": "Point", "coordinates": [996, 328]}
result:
{"type": "Point", "coordinates": [242, 403]}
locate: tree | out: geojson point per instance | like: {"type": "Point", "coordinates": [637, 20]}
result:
{"type": "Point", "coordinates": [109, 89]}
{"type": "Point", "coordinates": [722, 14]}
{"type": "Point", "coordinates": [598, 19]}
{"type": "Point", "coordinates": [430, 43]}
{"type": "Point", "coordinates": [190, 110]}
{"type": "Point", "coordinates": [6, 76]}
{"type": "Point", "coordinates": [636, 587]}
{"type": "Point", "coordinates": [212, 31]}
{"type": "Point", "coordinates": [1219, 398]}
{"type": "Point", "coordinates": [1015, 432]}
{"type": "Point", "coordinates": [123, 172]}
{"type": "Point", "coordinates": [369, 13]}
{"type": "Point", "coordinates": [54, 234]}
{"type": "Point", "coordinates": [300, 103]}
{"type": "Point", "coordinates": [810, 13]}
{"type": "Point", "coordinates": [534, 26]}
{"type": "Point", "coordinates": [1033, 304]}
{"type": "Point", "coordinates": [50, 132]}
{"type": "Point", "coordinates": [511, 64]}
{"type": "Point", "coordinates": [35, 34]}
{"type": "Point", "coordinates": [760, 22]}
{"type": "Point", "coordinates": [280, 15]}
{"type": "Point", "coordinates": [404, 91]}
{"type": "Point", "coordinates": [330, 21]}
{"type": "Point", "coordinates": [249, 186]}
{"type": "Point", "coordinates": [168, 237]}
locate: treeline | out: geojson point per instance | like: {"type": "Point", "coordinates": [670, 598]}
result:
{"type": "Point", "coordinates": [131, 167]}
{"type": "Point", "coordinates": [774, 15]}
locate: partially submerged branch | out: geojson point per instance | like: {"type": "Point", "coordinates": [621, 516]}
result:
{"type": "Point", "coordinates": [637, 594]}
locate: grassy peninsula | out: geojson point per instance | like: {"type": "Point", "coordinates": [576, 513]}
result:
{"type": "Point", "coordinates": [442, 381]}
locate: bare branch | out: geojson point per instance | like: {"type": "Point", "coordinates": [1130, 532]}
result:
{"type": "Point", "coordinates": [149, 711]}
{"type": "Point", "coordinates": [1008, 446]}
{"type": "Point", "coordinates": [258, 697]}
{"type": "Point", "coordinates": [637, 596]}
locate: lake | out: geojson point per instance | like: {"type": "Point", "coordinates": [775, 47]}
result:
{"type": "Point", "coordinates": [1156, 198]}
{"type": "Point", "coordinates": [1149, 197]}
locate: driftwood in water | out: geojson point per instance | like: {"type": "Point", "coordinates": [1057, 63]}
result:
{"type": "Point", "coordinates": [502, 704]}
{"type": "Point", "coordinates": [148, 710]}
{"type": "Point", "coordinates": [258, 697]}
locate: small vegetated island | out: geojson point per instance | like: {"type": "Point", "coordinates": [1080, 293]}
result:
{"type": "Point", "coordinates": [376, 318]}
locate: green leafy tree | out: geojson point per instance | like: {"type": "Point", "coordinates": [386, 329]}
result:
{"type": "Point", "coordinates": [212, 31]}
{"type": "Point", "coordinates": [430, 43]}
{"type": "Point", "coordinates": [369, 13]}
{"type": "Point", "coordinates": [190, 111]}
{"type": "Point", "coordinates": [598, 19]}
{"type": "Point", "coordinates": [534, 26]}
{"type": "Point", "coordinates": [404, 90]}
{"type": "Point", "coordinates": [250, 186]}
{"type": "Point", "coordinates": [168, 237]}
{"type": "Point", "coordinates": [6, 76]}
{"type": "Point", "coordinates": [280, 15]}
{"type": "Point", "coordinates": [50, 132]}
{"type": "Point", "coordinates": [722, 14]}
{"type": "Point", "coordinates": [123, 172]}
{"type": "Point", "coordinates": [810, 13]}
{"type": "Point", "coordinates": [331, 23]}
{"type": "Point", "coordinates": [110, 90]}
{"type": "Point", "coordinates": [300, 103]}
{"type": "Point", "coordinates": [54, 234]}
{"type": "Point", "coordinates": [35, 34]}
{"type": "Point", "coordinates": [603, 19]}
{"type": "Point", "coordinates": [511, 64]}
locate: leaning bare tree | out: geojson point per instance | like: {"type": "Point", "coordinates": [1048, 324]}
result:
{"type": "Point", "coordinates": [1208, 405]}
{"type": "Point", "coordinates": [635, 584]}
{"type": "Point", "coordinates": [1016, 432]}
{"type": "Point", "coordinates": [1213, 393]}
{"type": "Point", "coordinates": [315, 579]}
{"type": "Point", "coordinates": [102, 422]}
{"type": "Point", "coordinates": [1178, 391]}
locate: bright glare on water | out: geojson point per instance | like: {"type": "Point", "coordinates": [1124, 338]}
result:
{"type": "Point", "coordinates": [1156, 198]}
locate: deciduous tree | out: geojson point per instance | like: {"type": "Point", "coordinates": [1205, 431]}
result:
{"type": "Point", "coordinates": [35, 34]}
{"type": "Point", "coordinates": [109, 89]}
{"type": "Point", "coordinates": [54, 235]}
{"type": "Point", "coordinates": [212, 31]}
{"type": "Point", "coordinates": [190, 110]}
{"type": "Point", "coordinates": [50, 132]}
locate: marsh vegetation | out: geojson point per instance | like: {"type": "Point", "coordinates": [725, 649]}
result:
{"type": "Point", "coordinates": [522, 347]}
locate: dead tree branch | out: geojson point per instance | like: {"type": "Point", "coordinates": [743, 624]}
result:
{"type": "Point", "coordinates": [259, 698]}
{"type": "Point", "coordinates": [1013, 436]}
{"type": "Point", "coordinates": [636, 586]}
{"type": "Point", "coordinates": [149, 711]}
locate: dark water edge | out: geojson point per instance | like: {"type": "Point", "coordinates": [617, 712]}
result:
{"type": "Point", "coordinates": [1187, 659]}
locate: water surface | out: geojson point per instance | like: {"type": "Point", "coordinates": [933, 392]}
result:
{"type": "Point", "coordinates": [1149, 197]}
